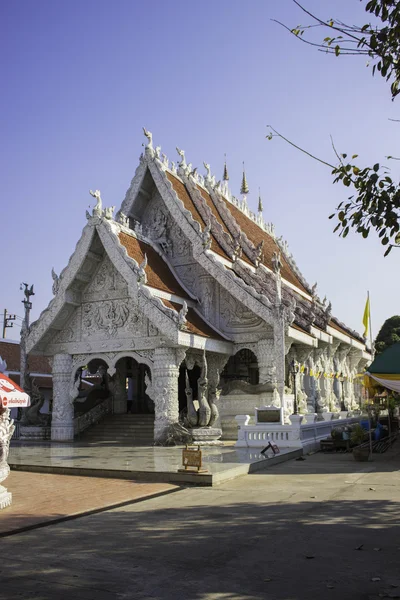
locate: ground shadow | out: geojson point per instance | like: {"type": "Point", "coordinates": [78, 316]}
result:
{"type": "Point", "coordinates": [215, 550]}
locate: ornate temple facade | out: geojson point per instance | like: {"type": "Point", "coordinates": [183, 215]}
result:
{"type": "Point", "coordinates": [185, 275]}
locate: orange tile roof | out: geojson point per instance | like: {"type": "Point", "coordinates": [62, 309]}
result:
{"type": "Point", "coordinates": [188, 203]}
{"type": "Point", "coordinates": [257, 235]}
{"type": "Point", "coordinates": [159, 275]}
{"type": "Point", "coordinates": [10, 352]}
{"type": "Point", "coordinates": [194, 322]}
{"type": "Point", "coordinates": [247, 225]}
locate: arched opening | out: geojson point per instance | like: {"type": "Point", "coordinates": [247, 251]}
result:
{"type": "Point", "coordinates": [242, 366]}
{"type": "Point", "coordinates": [129, 382]}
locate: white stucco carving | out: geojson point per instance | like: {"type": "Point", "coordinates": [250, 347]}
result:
{"type": "Point", "coordinates": [62, 423]}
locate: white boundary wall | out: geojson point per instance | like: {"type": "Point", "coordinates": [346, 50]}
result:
{"type": "Point", "coordinates": [307, 436]}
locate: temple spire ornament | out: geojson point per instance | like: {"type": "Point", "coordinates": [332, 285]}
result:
{"type": "Point", "coordinates": [226, 174]}
{"type": "Point", "coordinates": [244, 189]}
{"type": "Point", "coordinates": [260, 204]}
{"type": "Point", "coordinates": [224, 188]}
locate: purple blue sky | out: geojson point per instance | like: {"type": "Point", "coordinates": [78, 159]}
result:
{"type": "Point", "coordinates": [80, 79]}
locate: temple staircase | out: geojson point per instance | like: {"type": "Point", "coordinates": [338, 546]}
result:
{"type": "Point", "coordinates": [122, 430]}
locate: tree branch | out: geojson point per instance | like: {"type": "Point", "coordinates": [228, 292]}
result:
{"type": "Point", "coordinates": [324, 23]}
{"type": "Point", "coordinates": [277, 134]}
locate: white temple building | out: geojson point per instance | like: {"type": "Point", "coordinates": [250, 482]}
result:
{"type": "Point", "coordinates": [184, 277]}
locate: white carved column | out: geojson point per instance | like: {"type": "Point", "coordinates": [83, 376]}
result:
{"type": "Point", "coordinates": [279, 329]}
{"type": "Point", "coordinates": [302, 355]}
{"type": "Point", "coordinates": [326, 382]}
{"type": "Point", "coordinates": [353, 360]}
{"type": "Point", "coordinates": [309, 384]}
{"type": "Point", "coordinates": [340, 388]}
{"type": "Point", "coordinates": [266, 363]}
{"type": "Point", "coordinates": [320, 405]}
{"type": "Point", "coordinates": [280, 353]}
{"type": "Point", "coordinates": [62, 422]}
{"type": "Point", "coordinates": [324, 368]}
{"type": "Point", "coordinates": [163, 389]}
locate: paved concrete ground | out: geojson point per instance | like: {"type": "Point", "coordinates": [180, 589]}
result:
{"type": "Point", "coordinates": [323, 528]}
{"type": "Point", "coordinates": [41, 498]}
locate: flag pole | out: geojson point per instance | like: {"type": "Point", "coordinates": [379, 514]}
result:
{"type": "Point", "coordinates": [370, 328]}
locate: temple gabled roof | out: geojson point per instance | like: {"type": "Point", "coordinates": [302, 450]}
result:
{"type": "Point", "coordinates": [240, 242]}
{"type": "Point", "coordinates": [256, 234]}
{"type": "Point", "coordinates": [230, 243]}
{"type": "Point", "coordinates": [150, 281]}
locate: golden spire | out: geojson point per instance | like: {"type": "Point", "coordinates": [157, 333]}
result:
{"type": "Point", "coordinates": [244, 187]}
{"type": "Point", "coordinates": [226, 176]}
{"type": "Point", "coordinates": [260, 205]}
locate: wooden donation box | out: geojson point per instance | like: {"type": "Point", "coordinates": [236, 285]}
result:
{"type": "Point", "coordinates": [191, 457]}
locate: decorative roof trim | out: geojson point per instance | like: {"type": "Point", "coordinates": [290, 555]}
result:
{"type": "Point", "coordinates": [321, 335]}
{"type": "Point", "coordinates": [67, 275]}
{"type": "Point", "coordinates": [302, 337]}
{"type": "Point", "coordinates": [344, 338]}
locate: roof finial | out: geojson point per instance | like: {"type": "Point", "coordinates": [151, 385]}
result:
{"type": "Point", "coordinates": [226, 176]}
{"type": "Point", "coordinates": [244, 187]}
{"type": "Point", "coordinates": [260, 204]}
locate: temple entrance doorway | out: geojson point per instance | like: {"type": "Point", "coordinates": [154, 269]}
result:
{"type": "Point", "coordinates": [242, 366]}
{"type": "Point", "coordinates": [132, 377]}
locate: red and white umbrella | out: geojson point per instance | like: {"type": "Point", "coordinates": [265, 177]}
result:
{"type": "Point", "coordinates": [11, 395]}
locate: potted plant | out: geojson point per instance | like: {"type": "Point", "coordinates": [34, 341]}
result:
{"type": "Point", "coordinates": [357, 437]}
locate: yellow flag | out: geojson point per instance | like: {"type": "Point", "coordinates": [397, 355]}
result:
{"type": "Point", "coordinates": [366, 317]}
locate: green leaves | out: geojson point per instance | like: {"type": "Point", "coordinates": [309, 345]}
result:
{"type": "Point", "coordinates": [388, 335]}
{"type": "Point", "coordinates": [381, 44]}
{"type": "Point", "coordinates": [376, 203]}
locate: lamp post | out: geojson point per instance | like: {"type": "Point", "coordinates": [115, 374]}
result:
{"type": "Point", "coordinates": [23, 369]}
{"type": "Point", "coordinates": [342, 405]}
{"type": "Point", "coordinates": [294, 369]}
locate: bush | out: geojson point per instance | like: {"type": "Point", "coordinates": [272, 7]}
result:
{"type": "Point", "coordinates": [358, 434]}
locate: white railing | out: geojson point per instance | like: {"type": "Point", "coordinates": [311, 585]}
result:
{"type": "Point", "coordinates": [295, 435]}
{"type": "Point", "coordinates": [93, 416]}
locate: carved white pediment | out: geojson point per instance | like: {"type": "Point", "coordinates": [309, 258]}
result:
{"type": "Point", "coordinates": [106, 282]}
{"type": "Point", "coordinates": [235, 315]}
{"type": "Point", "coordinates": [71, 332]}
{"type": "Point", "coordinates": [107, 319]}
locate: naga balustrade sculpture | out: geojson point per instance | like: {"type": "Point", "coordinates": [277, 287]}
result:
{"type": "Point", "coordinates": [201, 420]}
